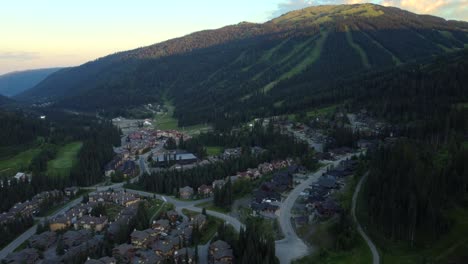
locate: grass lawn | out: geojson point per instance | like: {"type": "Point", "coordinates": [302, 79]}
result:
{"type": "Point", "coordinates": [318, 112]}
{"type": "Point", "coordinates": [210, 206]}
{"type": "Point", "coordinates": [214, 151]}
{"type": "Point", "coordinates": [19, 162]}
{"type": "Point", "coordinates": [167, 121]}
{"type": "Point", "coordinates": [360, 254]}
{"type": "Point", "coordinates": [67, 156]}
{"type": "Point", "coordinates": [158, 208]}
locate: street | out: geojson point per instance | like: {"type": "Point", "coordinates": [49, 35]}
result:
{"type": "Point", "coordinates": [291, 246]}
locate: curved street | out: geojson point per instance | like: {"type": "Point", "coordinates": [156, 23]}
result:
{"type": "Point", "coordinates": [292, 247]}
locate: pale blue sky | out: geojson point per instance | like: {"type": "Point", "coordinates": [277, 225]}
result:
{"type": "Point", "coordinates": [49, 33]}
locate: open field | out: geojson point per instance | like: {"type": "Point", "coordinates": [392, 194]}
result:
{"type": "Point", "coordinates": [19, 162]}
{"type": "Point", "coordinates": [214, 150]}
{"type": "Point", "coordinates": [67, 156]}
{"type": "Point", "coordinates": [167, 121]}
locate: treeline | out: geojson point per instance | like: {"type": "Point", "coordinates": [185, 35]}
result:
{"type": "Point", "coordinates": [13, 228]}
{"type": "Point", "coordinates": [19, 129]}
{"type": "Point", "coordinates": [253, 245]}
{"type": "Point", "coordinates": [411, 186]}
{"type": "Point", "coordinates": [96, 151]}
{"type": "Point", "coordinates": [223, 196]}
{"type": "Point", "coordinates": [169, 181]}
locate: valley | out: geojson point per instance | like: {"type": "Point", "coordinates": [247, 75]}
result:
{"type": "Point", "coordinates": [330, 134]}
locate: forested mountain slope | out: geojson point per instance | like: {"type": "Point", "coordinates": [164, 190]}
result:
{"type": "Point", "coordinates": [239, 71]}
{"type": "Point", "coordinates": [14, 83]}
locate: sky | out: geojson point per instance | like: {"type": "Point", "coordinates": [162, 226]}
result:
{"type": "Point", "coordinates": [56, 33]}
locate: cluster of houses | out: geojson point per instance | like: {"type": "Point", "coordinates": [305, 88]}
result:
{"type": "Point", "coordinates": [76, 243]}
{"type": "Point", "coordinates": [142, 140]}
{"type": "Point", "coordinates": [220, 252]}
{"type": "Point", "coordinates": [317, 201]}
{"type": "Point", "coordinates": [29, 208]}
{"type": "Point", "coordinates": [266, 199]}
{"type": "Point", "coordinates": [167, 238]}
{"type": "Point", "coordinates": [204, 190]}
{"type": "Point", "coordinates": [123, 164]}
{"type": "Point", "coordinates": [79, 217]}
{"type": "Point", "coordinates": [81, 232]}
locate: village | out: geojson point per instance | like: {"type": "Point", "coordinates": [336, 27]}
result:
{"type": "Point", "coordinates": [82, 229]}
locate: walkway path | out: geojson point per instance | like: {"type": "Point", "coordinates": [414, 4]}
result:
{"type": "Point", "coordinates": [372, 247]}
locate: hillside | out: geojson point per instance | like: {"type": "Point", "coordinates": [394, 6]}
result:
{"type": "Point", "coordinates": [14, 83]}
{"type": "Point", "coordinates": [239, 71]}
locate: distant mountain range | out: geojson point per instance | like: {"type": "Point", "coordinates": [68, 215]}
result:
{"type": "Point", "coordinates": [14, 83]}
{"type": "Point", "coordinates": [251, 69]}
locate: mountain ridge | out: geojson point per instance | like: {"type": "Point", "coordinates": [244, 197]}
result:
{"type": "Point", "coordinates": [13, 83]}
{"type": "Point", "coordinates": [209, 73]}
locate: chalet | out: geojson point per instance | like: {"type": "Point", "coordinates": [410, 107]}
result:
{"type": "Point", "coordinates": [43, 241]}
{"type": "Point", "coordinates": [74, 238]}
{"type": "Point", "coordinates": [20, 176]}
{"type": "Point", "coordinates": [162, 225]}
{"type": "Point", "coordinates": [27, 256]}
{"type": "Point", "coordinates": [172, 215]}
{"type": "Point", "coordinates": [218, 184]}
{"type": "Point", "coordinates": [59, 223]}
{"type": "Point", "coordinates": [91, 223]}
{"type": "Point", "coordinates": [205, 191]}
{"type": "Point", "coordinates": [184, 254]}
{"type": "Point", "coordinates": [147, 257]}
{"type": "Point", "coordinates": [186, 192]}
{"type": "Point", "coordinates": [123, 253]}
{"type": "Point", "coordinates": [328, 208]}
{"type": "Point", "coordinates": [220, 252]}
{"type": "Point", "coordinates": [327, 182]}
{"type": "Point", "coordinates": [198, 220]}
{"type": "Point", "coordinates": [142, 239]}
{"type": "Point", "coordinates": [166, 247]}
{"type": "Point", "coordinates": [71, 191]}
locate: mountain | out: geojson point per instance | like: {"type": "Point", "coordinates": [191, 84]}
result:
{"type": "Point", "coordinates": [240, 71]}
{"type": "Point", "coordinates": [14, 83]}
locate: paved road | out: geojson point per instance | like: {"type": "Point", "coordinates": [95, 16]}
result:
{"type": "Point", "coordinates": [292, 247]}
{"type": "Point", "coordinates": [31, 231]}
{"type": "Point", "coordinates": [372, 247]}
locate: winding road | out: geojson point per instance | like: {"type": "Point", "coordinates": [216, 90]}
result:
{"type": "Point", "coordinates": [370, 244]}
{"type": "Point", "coordinates": [292, 247]}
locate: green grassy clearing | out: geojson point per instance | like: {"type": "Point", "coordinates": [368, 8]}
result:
{"type": "Point", "coordinates": [214, 150]}
{"type": "Point", "coordinates": [166, 121]}
{"type": "Point", "coordinates": [357, 48]}
{"type": "Point", "coordinates": [67, 157]}
{"type": "Point", "coordinates": [20, 162]}
{"type": "Point", "coordinates": [210, 206]}
{"type": "Point", "coordinates": [395, 59]}
{"type": "Point", "coordinates": [318, 112]}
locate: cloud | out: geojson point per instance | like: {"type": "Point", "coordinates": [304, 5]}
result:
{"type": "Point", "coordinates": [449, 9]}
{"type": "Point", "coordinates": [18, 55]}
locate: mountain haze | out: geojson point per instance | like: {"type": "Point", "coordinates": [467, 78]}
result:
{"type": "Point", "coordinates": [211, 74]}
{"type": "Point", "coordinates": [14, 83]}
